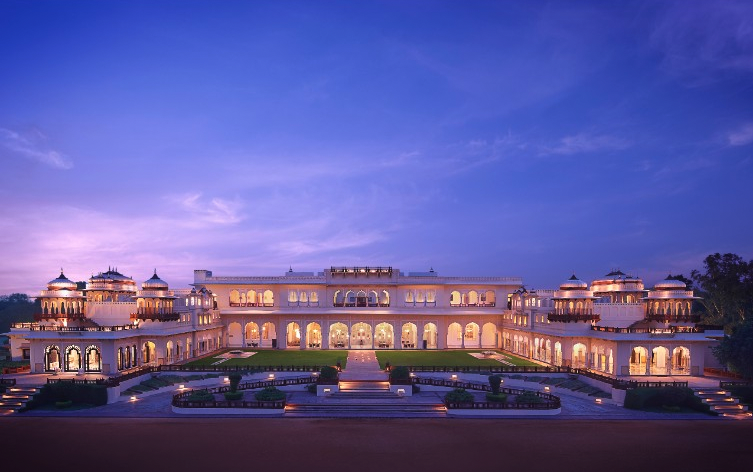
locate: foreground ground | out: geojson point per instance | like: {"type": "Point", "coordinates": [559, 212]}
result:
{"type": "Point", "coordinates": [374, 444]}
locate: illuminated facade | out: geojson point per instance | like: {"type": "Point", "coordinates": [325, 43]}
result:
{"type": "Point", "coordinates": [110, 326]}
{"type": "Point", "coordinates": [615, 327]}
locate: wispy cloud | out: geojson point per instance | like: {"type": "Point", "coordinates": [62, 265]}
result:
{"type": "Point", "coordinates": [742, 135]}
{"type": "Point", "coordinates": [33, 146]}
{"type": "Point", "coordinates": [701, 41]}
{"type": "Point", "coordinates": [584, 142]}
{"type": "Point", "coordinates": [216, 210]}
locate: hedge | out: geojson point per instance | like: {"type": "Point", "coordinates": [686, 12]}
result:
{"type": "Point", "coordinates": [90, 394]}
{"type": "Point", "coordinates": [663, 397]}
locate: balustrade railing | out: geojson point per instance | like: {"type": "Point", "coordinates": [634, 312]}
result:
{"type": "Point", "coordinates": [181, 400]}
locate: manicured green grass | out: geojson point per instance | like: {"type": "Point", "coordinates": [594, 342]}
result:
{"type": "Point", "coordinates": [453, 358]}
{"type": "Point", "coordinates": [284, 358]}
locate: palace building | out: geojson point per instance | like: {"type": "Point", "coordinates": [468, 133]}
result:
{"type": "Point", "coordinates": [615, 326]}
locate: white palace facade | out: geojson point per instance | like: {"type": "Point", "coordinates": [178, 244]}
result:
{"type": "Point", "coordinates": [615, 326]}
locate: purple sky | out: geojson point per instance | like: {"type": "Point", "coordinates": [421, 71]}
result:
{"type": "Point", "coordinates": [511, 138]}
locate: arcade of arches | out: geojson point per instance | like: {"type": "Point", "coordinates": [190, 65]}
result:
{"type": "Point", "coordinates": [360, 335]}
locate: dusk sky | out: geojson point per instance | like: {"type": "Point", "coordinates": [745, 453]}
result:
{"type": "Point", "coordinates": [509, 138]}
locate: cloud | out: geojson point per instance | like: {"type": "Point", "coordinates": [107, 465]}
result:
{"type": "Point", "coordinates": [216, 210]}
{"type": "Point", "coordinates": [32, 146]}
{"type": "Point", "coordinates": [741, 136]}
{"type": "Point", "coordinates": [700, 42]}
{"type": "Point", "coordinates": [584, 142]}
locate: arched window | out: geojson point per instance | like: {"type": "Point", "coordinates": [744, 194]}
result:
{"type": "Point", "coordinates": [293, 297]}
{"type": "Point", "coordinates": [93, 359]}
{"type": "Point", "coordinates": [409, 297]}
{"type": "Point", "coordinates": [269, 298]}
{"type": "Point", "coordinates": [384, 299]}
{"type": "Point", "coordinates": [338, 299]}
{"type": "Point", "coordinates": [455, 299]}
{"type": "Point", "coordinates": [234, 298]}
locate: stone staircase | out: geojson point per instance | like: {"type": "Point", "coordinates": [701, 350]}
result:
{"type": "Point", "coordinates": [15, 398]}
{"type": "Point", "coordinates": [363, 409]}
{"type": "Point", "coordinates": [723, 403]}
{"type": "Point", "coordinates": [364, 390]}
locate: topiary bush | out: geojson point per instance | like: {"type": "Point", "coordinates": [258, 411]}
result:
{"type": "Point", "coordinates": [328, 374]}
{"type": "Point", "coordinates": [459, 395]}
{"type": "Point", "coordinates": [311, 388]}
{"type": "Point", "coordinates": [494, 382]}
{"type": "Point", "coordinates": [235, 379]}
{"type": "Point", "coordinates": [400, 374]}
{"type": "Point", "coordinates": [270, 394]}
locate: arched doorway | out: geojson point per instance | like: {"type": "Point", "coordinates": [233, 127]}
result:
{"type": "Point", "coordinates": [360, 336]}
{"type": "Point", "coordinates": [408, 336]}
{"type": "Point", "coordinates": [72, 359]}
{"type": "Point", "coordinates": [314, 336]}
{"type": "Point", "coordinates": [579, 356]}
{"type": "Point", "coordinates": [338, 336]}
{"type": "Point", "coordinates": [93, 359]}
{"type": "Point", "coordinates": [51, 358]}
{"type": "Point", "coordinates": [558, 353]}
{"type": "Point", "coordinates": [430, 336]}
{"type": "Point", "coordinates": [234, 335]}
{"type": "Point", "coordinates": [252, 334]}
{"type": "Point", "coordinates": [472, 338]}
{"type": "Point", "coordinates": [148, 352]}
{"type": "Point", "coordinates": [681, 361]}
{"type": "Point", "coordinates": [454, 336]}
{"type": "Point", "coordinates": [268, 335]}
{"type": "Point", "coordinates": [659, 360]}
{"type": "Point", "coordinates": [169, 349]}
{"type": "Point", "coordinates": [638, 357]}
{"type": "Point", "coordinates": [385, 336]}
{"type": "Point", "coordinates": [293, 337]}
{"type": "Point", "coordinates": [489, 335]}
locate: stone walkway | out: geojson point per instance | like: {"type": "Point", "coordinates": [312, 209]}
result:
{"type": "Point", "coordinates": [363, 365]}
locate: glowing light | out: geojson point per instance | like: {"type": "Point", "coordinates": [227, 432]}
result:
{"type": "Point", "coordinates": [271, 376]}
{"type": "Point", "coordinates": [133, 398]}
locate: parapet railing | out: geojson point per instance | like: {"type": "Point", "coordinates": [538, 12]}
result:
{"type": "Point", "coordinates": [181, 400]}
{"type": "Point", "coordinates": [548, 401]}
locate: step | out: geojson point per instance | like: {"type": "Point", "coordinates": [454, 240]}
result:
{"type": "Point", "coordinates": [737, 414]}
{"type": "Point", "coordinates": [364, 385]}
{"type": "Point", "coordinates": [358, 410]}
{"type": "Point", "coordinates": [731, 407]}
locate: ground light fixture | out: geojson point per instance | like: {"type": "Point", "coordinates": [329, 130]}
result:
{"type": "Point", "coordinates": [133, 398]}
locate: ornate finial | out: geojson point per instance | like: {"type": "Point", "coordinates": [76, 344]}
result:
{"type": "Point", "coordinates": [291, 269]}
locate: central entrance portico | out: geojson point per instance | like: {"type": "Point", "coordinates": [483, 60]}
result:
{"type": "Point", "coordinates": [360, 336]}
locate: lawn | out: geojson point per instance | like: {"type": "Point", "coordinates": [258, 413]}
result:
{"type": "Point", "coordinates": [275, 357]}
{"type": "Point", "coordinates": [453, 358]}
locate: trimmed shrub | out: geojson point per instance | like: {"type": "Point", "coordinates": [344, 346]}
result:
{"type": "Point", "coordinates": [400, 374]}
{"type": "Point", "coordinates": [528, 397]}
{"type": "Point", "coordinates": [415, 388]}
{"type": "Point", "coordinates": [670, 397]}
{"type": "Point", "coordinates": [497, 398]}
{"type": "Point", "coordinates": [494, 382]}
{"type": "Point", "coordinates": [63, 405]}
{"type": "Point", "coordinates": [459, 395]}
{"type": "Point", "coordinates": [231, 396]}
{"type": "Point", "coordinates": [328, 374]}
{"type": "Point", "coordinates": [235, 379]}
{"type": "Point", "coordinates": [311, 388]}
{"type": "Point", "coordinates": [201, 396]}
{"type": "Point", "coordinates": [743, 392]}
{"type": "Point", "coordinates": [270, 394]}
{"type": "Point", "coordinates": [90, 394]}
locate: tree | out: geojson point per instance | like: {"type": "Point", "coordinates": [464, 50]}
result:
{"type": "Point", "coordinates": [726, 288]}
{"type": "Point", "coordinates": [16, 308]}
{"type": "Point", "coordinates": [736, 350]}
